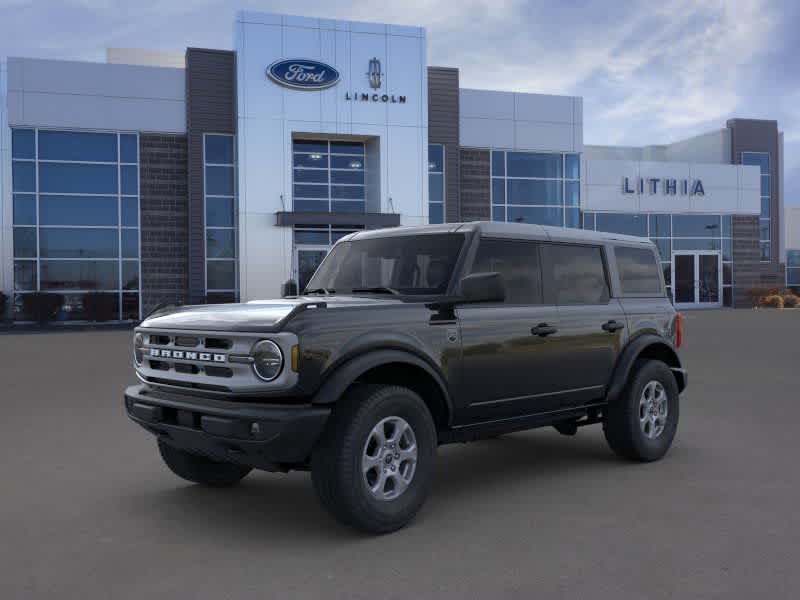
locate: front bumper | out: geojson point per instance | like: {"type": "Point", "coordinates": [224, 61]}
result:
{"type": "Point", "coordinates": [265, 436]}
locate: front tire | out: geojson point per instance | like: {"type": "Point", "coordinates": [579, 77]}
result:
{"type": "Point", "coordinates": [373, 466]}
{"type": "Point", "coordinates": [199, 469]}
{"type": "Point", "coordinates": [641, 422]}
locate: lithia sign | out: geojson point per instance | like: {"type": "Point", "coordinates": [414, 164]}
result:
{"type": "Point", "coordinates": [667, 186]}
{"type": "Point", "coordinates": [306, 74]}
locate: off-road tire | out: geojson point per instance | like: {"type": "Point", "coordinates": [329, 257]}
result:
{"type": "Point", "coordinates": [199, 469]}
{"type": "Point", "coordinates": [621, 421]}
{"type": "Point", "coordinates": [336, 461]}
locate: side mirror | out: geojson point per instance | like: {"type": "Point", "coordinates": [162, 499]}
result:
{"type": "Point", "coordinates": [483, 287]}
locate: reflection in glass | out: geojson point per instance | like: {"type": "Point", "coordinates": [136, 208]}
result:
{"type": "Point", "coordinates": [221, 274]}
{"type": "Point", "coordinates": [219, 181]}
{"type": "Point", "coordinates": [532, 164]}
{"type": "Point", "coordinates": [23, 176]}
{"type": "Point", "coordinates": [23, 143]}
{"type": "Point", "coordinates": [531, 191]}
{"type": "Point", "coordinates": [24, 275]}
{"type": "Point", "coordinates": [77, 146]}
{"type": "Point", "coordinates": [78, 243]}
{"type": "Point", "coordinates": [24, 209]}
{"type": "Point", "coordinates": [220, 243]}
{"type": "Point", "coordinates": [25, 242]}
{"type": "Point", "coordinates": [77, 210]}
{"type": "Point", "coordinates": [219, 149]}
{"type": "Point", "coordinates": [628, 224]}
{"type": "Point", "coordinates": [79, 275]}
{"type": "Point", "coordinates": [219, 212]}
{"type": "Point", "coordinates": [66, 178]}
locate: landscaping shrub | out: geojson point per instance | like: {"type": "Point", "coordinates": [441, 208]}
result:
{"type": "Point", "coordinates": [3, 306]}
{"type": "Point", "coordinates": [757, 295]}
{"type": "Point", "coordinates": [790, 301]}
{"type": "Point", "coordinates": [98, 306]}
{"type": "Point", "coordinates": [773, 301]}
{"type": "Point", "coordinates": [41, 306]}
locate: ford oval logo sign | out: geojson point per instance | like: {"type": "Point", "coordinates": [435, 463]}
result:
{"type": "Point", "coordinates": [303, 74]}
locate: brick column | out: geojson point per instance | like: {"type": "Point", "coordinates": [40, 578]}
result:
{"type": "Point", "coordinates": [475, 184]}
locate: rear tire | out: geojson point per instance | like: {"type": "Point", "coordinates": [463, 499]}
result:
{"type": "Point", "coordinates": [641, 422]}
{"type": "Point", "coordinates": [199, 469]}
{"type": "Point", "coordinates": [373, 466]}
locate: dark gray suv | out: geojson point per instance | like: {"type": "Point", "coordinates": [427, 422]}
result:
{"type": "Point", "coordinates": [408, 338]}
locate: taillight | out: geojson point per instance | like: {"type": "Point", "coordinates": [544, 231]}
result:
{"type": "Point", "coordinates": [678, 330]}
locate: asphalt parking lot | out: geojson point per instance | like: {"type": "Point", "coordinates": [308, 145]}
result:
{"type": "Point", "coordinates": [88, 511]}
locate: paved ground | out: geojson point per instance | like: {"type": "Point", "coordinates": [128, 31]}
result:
{"type": "Point", "coordinates": [87, 510]}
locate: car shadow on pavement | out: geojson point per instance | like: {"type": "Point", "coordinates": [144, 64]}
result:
{"type": "Point", "coordinates": [276, 508]}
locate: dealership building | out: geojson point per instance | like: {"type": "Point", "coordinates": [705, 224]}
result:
{"type": "Point", "coordinates": [216, 175]}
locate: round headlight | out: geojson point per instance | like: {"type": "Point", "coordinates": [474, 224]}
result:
{"type": "Point", "coordinates": [138, 349]}
{"type": "Point", "coordinates": [267, 360]}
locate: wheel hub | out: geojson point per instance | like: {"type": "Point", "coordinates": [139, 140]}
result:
{"type": "Point", "coordinates": [653, 409]}
{"type": "Point", "coordinates": [389, 459]}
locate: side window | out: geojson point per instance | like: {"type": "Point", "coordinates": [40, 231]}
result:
{"type": "Point", "coordinates": [638, 271]}
{"type": "Point", "coordinates": [574, 274]}
{"type": "Point", "coordinates": [518, 262]}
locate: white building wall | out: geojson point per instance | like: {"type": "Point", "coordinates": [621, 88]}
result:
{"type": "Point", "coordinates": [791, 228]}
{"type": "Point", "coordinates": [146, 58]}
{"type": "Point", "coordinates": [269, 115]}
{"type": "Point", "coordinates": [6, 205]}
{"type": "Point", "coordinates": [713, 147]}
{"type": "Point", "coordinates": [729, 189]}
{"type": "Point", "coordinates": [81, 95]}
{"type": "Point", "coordinates": [490, 119]}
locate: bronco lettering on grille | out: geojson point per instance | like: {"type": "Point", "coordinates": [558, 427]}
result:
{"type": "Point", "coordinates": [201, 356]}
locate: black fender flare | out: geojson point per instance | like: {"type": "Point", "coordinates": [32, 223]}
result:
{"type": "Point", "coordinates": [633, 351]}
{"type": "Point", "coordinates": [349, 371]}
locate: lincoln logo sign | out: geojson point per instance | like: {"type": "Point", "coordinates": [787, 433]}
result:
{"type": "Point", "coordinates": [669, 187]}
{"type": "Point", "coordinates": [302, 74]}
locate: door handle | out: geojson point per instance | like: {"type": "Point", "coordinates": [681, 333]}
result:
{"type": "Point", "coordinates": [612, 326]}
{"type": "Point", "coordinates": [543, 329]}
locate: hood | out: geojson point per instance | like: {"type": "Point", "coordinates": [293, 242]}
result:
{"type": "Point", "coordinates": [256, 316]}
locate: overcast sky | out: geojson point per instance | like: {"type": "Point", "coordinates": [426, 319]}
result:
{"type": "Point", "coordinates": [649, 72]}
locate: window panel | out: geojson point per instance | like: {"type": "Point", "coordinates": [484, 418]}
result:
{"type": "Point", "coordinates": [219, 181]}
{"type": "Point", "coordinates": [727, 296]}
{"type": "Point", "coordinates": [337, 235]}
{"type": "Point", "coordinates": [727, 226]}
{"type": "Point", "coordinates": [130, 212]}
{"type": "Point", "coordinates": [310, 146]}
{"type": "Point", "coordinates": [572, 190]}
{"type": "Point", "coordinates": [25, 275]}
{"type": "Point", "coordinates": [315, 238]}
{"type": "Point", "coordinates": [130, 243]}
{"type": "Point", "coordinates": [759, 159]}
{"type": "Point", "coordinates": [345, 162]}
{"type": "Point", "coordinates": [763, 229]}
{"type": "Point", "coordinates": [435, 213]}
{"type": "Point", "coordinates": [793, 258]}
{"type": "Point", "coordinates": [793, 276]}
{"type": "Point", "coordinates": [347, 148]}
{"type": "Point", "coordinates": [664, 246]}
{"type": "Point", "coordinates": [79, 275]}
{"type": "Point", "coordinates": [23, 176]}
{"type": "Point", "coordinates": [78, 243]}
{"type": "Point", "coordinates": [765, 185]}
{"type": "Point", "coordinates": [129, 183]}
{"type": "Point", "coordinates": [526, 191]}
{"type": "Point", "coordinates": [77, 210]}
{"type": "Point", "coordinates": [311, 205]}
{"type": "Point", "coordinates": [221, 274]}
{"type": "Point", "coordinates": [219, 149]}
{"type": "Point", "coordinates": [436, 187]}
{"type": "Point", "coordinates": [498, 163]}
{"type": "Point", "coordinates": [573, 166]}
{"type": "Point", "coordinates": [695, 244]}
{"type": "Point", "coordinates": [660, 226]}
{"type": "Point", "coordinates": [435, 158]}
{"type": "Point", "coordinates": [77, 146]}
{"type": "Point", "coordinates": [765, 207]}
{"type": "Point", "coordinates": [727, 249]}
{"type": "Point", "coordinates": [310, 191]}
{"type": "Point", "coordinates": [518, 263]}
{"type": "Point", "coordinates": [530, 164]}
{"type": "Point", "coordinates": [727, 273]}
{"type": "Point", "coordinates": [220, 243]}
{"type": "Point", "coordinates": [128, 148]}
{"type": "Point", "coordinates": [219, 212]}
{"type": "Point", "coordinates": [24, 209]}
{"type": "Point", "coordinates": [627, 224]}
{"type": "Point", "coordinates": [318, 161]}
{"type": "Point", "coordinates": [574, 275]}
{"type": "Point", "coordinates": [498, 213]}
{"type": "Point", "coordinates": [535, 214]}
{"type": "Point", "coordinates": [588, 221]}
{"type": "Point", "coordinates": [348, 206]}
{"type": "Point", "coordinates": [77, 179]}
{"type": "Point", "coordinates": [130, 307]}
{"type": "Point", "coordinates": [347, 192]}
{"type": "Point", "coordinates": [498, 191]}
{"type": "Point", "coordinates": [766, 251]}
{"type": "Point", "coordinates": [25, 242]}
{"type": "Point", "coordinates": [23, 143]}
{"type": "Point", "coordinates": [638, 271]}
{"type": "Point", "coordinates": [130, 274]}
{"type": "Point", "coordinates": [696, 225]}
{"type": "Point", "coordinates": [354, 177]}
{"type": "Point", "coordinates": [572, 218]}
{"type": "Point", "coordinates": [311, 175]}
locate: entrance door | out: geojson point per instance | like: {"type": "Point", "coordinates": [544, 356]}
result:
{"type": "Point", "coordinates": [308, 259]}
{"type": "Point", "coordinates": [697, 279]}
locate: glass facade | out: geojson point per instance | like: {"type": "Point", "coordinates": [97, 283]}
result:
{"type": "Point", "coordinates": [536, 187]}
{"type": "Point", "coordinates": [673, 233]}
{"type": "Point", "coordinates": [793, 268]}
{"type": "Point", "coordinates": [761, 160]}
{"type": "Point", "coordinates": [435, 183]}
{"type": "Point", "coordinates": [328, 176]}
{"type": "Point", "coordinates": [76, 219]}
{"type": "Point", "coordinates": [219, 158]}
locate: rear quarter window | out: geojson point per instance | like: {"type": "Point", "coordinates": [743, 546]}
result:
{"type": "Point", "coordinates": [638, 271]}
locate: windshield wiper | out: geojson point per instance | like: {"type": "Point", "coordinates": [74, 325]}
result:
{"type": "Point", "coordinates": [376, 290]}
{"type": "Point", "coordinates": [321, 290]}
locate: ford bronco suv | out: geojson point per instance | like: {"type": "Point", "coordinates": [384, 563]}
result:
{"type": "Point", "coordinates": [408, 338]}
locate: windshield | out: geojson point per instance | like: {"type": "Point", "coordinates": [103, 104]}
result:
{"type": "Point", "coordinates": [408, 265]}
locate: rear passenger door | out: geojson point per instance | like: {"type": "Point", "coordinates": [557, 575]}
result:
{"type": "Point", "coordinates": [507, 369]}
{"type": "Point", "coordinates": [592, 325]}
